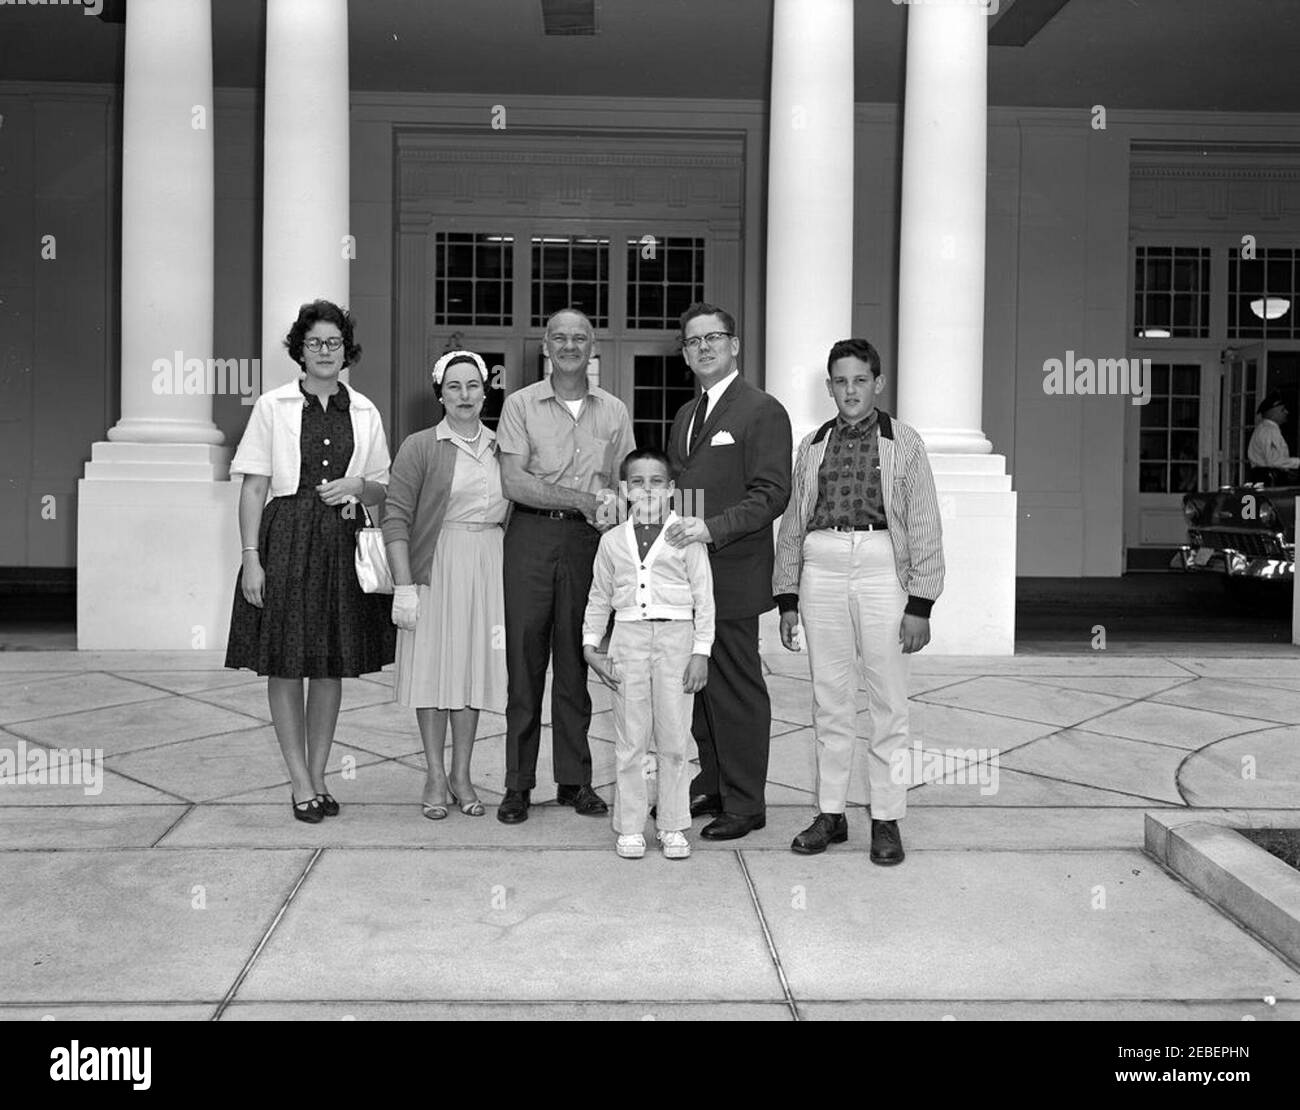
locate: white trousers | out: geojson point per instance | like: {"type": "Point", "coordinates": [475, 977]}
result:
{"type": "Point", "coordinates": [851, 606]}
{"type": "Point", "coordinates": [652, 723]}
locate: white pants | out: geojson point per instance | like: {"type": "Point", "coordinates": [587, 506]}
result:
{"type": "Point", "coordinates": [652, 723]}
{"type": "Point", "coordinates": [851, 606]}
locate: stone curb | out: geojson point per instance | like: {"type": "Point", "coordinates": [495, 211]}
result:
{"type": "Point", "coordinates": [1251, 886]}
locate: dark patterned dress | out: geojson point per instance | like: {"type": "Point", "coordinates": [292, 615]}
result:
{"type": "Point", "coordinates": [315, 621]}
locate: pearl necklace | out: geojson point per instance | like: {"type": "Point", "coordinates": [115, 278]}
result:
{"type": "Point", "coordinates": [467, 440]}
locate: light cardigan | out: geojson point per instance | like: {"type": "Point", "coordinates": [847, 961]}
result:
{"type": "Point", "coordinates": [271, 443]}
{"type": "Point", "coordinates": [418, 493]}
{"type": "Point", "coordinates": [672, 583]}
{"type": "Point", "coordinates": [911, 507]}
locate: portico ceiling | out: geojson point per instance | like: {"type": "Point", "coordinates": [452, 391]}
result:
{"type": "Point", "coordinates": [1197, 55]}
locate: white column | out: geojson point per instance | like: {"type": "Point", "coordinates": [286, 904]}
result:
{"type": "Point", "coordinates": [809, 203]}
{"type": "Point", "coordinates": [156, 546]}
{"type": "Point", "coordinates": [305, 250]}
{"type": "Point", "coordinates": [941, 321]}
{"type": "Point", "coordinates": [941, 249]}
{"type": "Point", "coordinates": [167, 220]}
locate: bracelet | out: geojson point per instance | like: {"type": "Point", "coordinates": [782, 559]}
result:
{"type": "Point", "coordinates": [250, 549]}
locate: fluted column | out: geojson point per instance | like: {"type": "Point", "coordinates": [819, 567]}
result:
{"type": "Point", "coordinates": [305, 249]}
{"type": "Point", "coordinates": [167, 223]}
{"type": "Point", "coordinates": [810, 202]}
{"type": "Point", "coordinates": [941, 252]}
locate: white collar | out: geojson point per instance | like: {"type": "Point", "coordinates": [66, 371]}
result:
{"type": "Point", "coordinates": [717, 389]}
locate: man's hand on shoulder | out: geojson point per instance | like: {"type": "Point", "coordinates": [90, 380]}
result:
{"type": "Point", "coordinates": [690, 529]}
{"type": "Point", "coordinates": [913, 633]}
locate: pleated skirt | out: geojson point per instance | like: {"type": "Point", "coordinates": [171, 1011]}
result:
{"type": "Point", "coordinates": [456, 656]}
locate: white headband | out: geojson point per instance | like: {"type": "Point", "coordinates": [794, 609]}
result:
{"type": "Point", "coordinates": [440, 367]}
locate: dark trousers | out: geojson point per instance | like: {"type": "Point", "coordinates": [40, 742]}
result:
{"type": "Point", "coordinates": [547, 567]}
{"type": "Point", "coordinates": [733, 721]}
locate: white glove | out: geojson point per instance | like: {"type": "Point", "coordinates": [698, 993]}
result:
{"type": "Point", "coordinates": [406, 607]}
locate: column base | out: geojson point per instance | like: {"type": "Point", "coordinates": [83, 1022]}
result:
{"type": "Point", "coordinates": [976, 614]}
{"type": "Point", "coordinates": [151, 430]}
{"type": "Point", "coordinates": [158, 462]}
{"type": "Point", "coordinates": [156, 562]}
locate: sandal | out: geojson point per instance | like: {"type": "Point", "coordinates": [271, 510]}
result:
{"type": "Point", "coordinates": [309, 811]}
{"type": "Point", "coordinates": [469, 809]}
{"type": "Point", "coordinates": [435, 812]}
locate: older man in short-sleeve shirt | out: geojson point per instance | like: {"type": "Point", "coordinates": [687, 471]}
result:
{"type": "Point", "coordinates": [561, 443]}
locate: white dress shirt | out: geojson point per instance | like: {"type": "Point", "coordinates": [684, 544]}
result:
{"type": "Point", "coordinates": [714, 393]}
{"type": "Point", "coordinates": [1268, 448]}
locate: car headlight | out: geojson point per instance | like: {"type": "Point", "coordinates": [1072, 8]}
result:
{"type": "Point", "coordinates": [1192, 507]}
{"type": "Point", "coordinates": [1267, 514]}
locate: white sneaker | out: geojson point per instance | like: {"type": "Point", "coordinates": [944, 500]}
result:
{"type": "Point", "coordinates": [674, 844]}
{"type": "Point", "coordinates": [632, 847]}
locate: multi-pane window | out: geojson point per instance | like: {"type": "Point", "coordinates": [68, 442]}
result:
{"type": "Point", "coordinates": [472, 279]}
{"type": "Point", "coordinates": [661, 385]}
{"type": "Point", "coordinates": [570, 271]}
{"type": "Point", "coordinates": [1171, 296]}
{"type": "Point", "coordinates": [1261, 294]}
{"type": "Point", "coordinates": [1169, 450]}
{"type": "Point", "coordinates": [664, 277]}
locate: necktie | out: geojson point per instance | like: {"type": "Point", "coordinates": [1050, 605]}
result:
{"type": "Point", "coordinates": [701, 415]}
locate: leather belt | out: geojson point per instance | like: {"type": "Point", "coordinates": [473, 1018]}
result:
{"type": "Point", "coordinates": [554, 514]}
{"type": "Point", "coordinates": [859, 528]}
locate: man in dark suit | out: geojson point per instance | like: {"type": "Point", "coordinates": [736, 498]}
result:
{"type": "Point", "coordinates": [730, 450]}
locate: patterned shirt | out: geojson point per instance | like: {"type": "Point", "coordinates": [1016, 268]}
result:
{"type": "Point", "coordinates": [848, 482]}
{"type": "Point", "coordinates": [326, 440]}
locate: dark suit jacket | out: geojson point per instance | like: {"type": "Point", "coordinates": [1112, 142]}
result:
{"type": "Point", "coordinates": [739, 489]}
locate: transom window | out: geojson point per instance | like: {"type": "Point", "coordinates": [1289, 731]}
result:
{"type": "Point", "coordinates": [473, 275]}
{"type": "Point", "coordinates": [664, 277]}
{"type": "Point", "coordinates": [1170, 435]}
{"type": "Point", "coordinates": [1262, 293]}
{"type": "Point", "coordinates": [1171, 298]}
{"type": "Point", "coordinates": [570, 271]}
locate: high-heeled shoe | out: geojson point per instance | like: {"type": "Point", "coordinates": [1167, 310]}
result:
{"type": "Point", "coordinates": [309, 811]}
{"type": "Point", "coordinates": [328, 805]}
{"type": "Point", "coordinates": [469, 809]}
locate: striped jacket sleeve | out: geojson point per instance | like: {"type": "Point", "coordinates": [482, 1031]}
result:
{"type": "Point", "coordinates": [790, 536]}
{"type": "Point", "coordinates": [924, 532]}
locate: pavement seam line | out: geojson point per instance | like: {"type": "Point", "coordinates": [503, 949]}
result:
{"type": "Point", "coordinates": [266, 936]}
{"type": "Point", "coordinates": [767, 937]}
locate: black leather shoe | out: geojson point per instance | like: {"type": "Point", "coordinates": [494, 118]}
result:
{"type": "Point", "coordinates": [328, 805]}
{"type": "Point", "coordinates": [826, 829]}
{"type": "Point", "coordinates": [706, 805]}
{"type": "Point", "coordinates": [583, 799]}
{"type": "Point", "coordinates": [886, 843]}
{"type": "Point", "coordinates": [513, 808]}
{"type": "Point", "coordinates": [309, 811]}
{"type": "Point", "coordinates": [732, 826]}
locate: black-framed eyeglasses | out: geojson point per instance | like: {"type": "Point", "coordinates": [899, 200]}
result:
{"type": "Point", "coordinates": [713, 339]}
{"type": "Point", "coordinates": [333, 343]}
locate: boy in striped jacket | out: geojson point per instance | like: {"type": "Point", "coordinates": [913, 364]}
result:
{"type": "Point", "coordinates": [859, 557]}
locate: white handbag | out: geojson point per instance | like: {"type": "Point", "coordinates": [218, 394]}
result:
{"type": "Point", "coordinates": [372, 558]}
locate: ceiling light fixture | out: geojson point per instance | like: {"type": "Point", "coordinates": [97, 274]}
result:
{"type": "Point", "coordinates": [1270, 308]}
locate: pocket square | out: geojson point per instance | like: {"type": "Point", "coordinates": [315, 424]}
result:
{"type": "Point", "coordinates": [721, 439]}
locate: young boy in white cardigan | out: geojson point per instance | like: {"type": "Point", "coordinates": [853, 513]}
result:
{"type": "Point", "coordinates": [658, 658]}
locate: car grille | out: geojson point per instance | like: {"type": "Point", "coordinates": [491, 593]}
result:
{"type": "Point", "coordinates": [1255, 545]}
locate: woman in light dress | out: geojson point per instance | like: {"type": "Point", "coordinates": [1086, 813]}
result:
{"type": "Point", "coordinates": [443, 526]}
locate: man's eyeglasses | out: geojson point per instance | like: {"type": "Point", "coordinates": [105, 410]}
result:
{"type": "Point", "coordinates": [713, 339]}
{"type": "Point", "coordinates": [313, 344]}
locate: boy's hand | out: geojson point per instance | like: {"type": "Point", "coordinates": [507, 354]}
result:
{"type": "Point", "coordinates": [696, 674]}
{"type": "Point", "coordinates": [606, 669]}
{"type": "Point", "coordinates": [790, 630]}
{"type": "Point", "coordinates": [913, 633]}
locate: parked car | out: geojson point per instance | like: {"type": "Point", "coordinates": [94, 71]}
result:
{"type": "Point", "coordinates": [1242, 532]}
